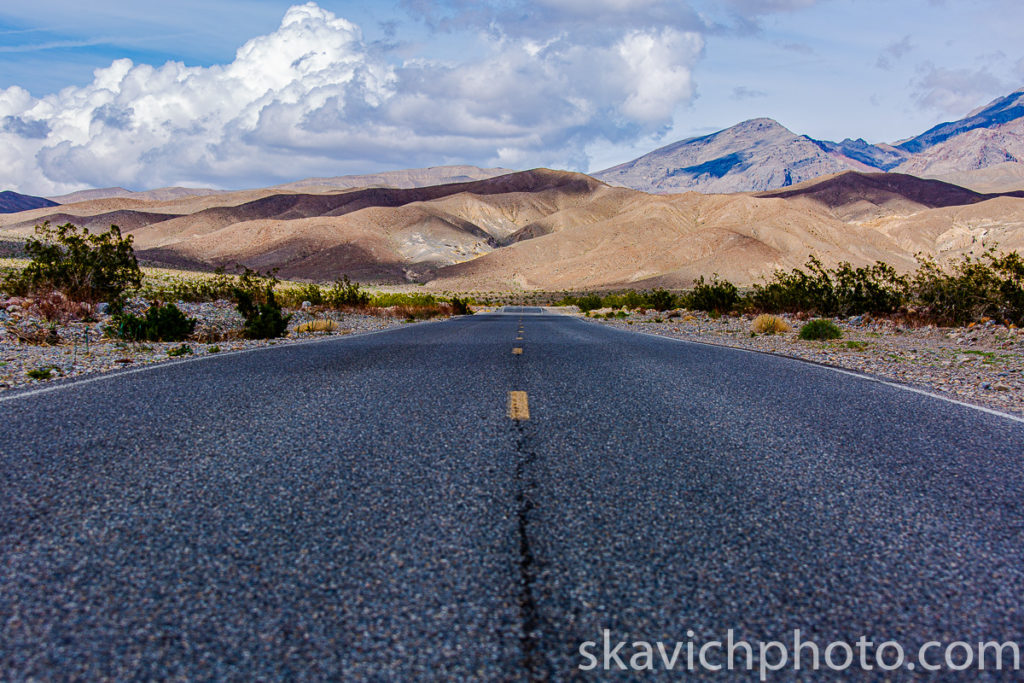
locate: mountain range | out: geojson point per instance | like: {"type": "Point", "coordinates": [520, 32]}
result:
{"type": "Point", "coordinates": [983, 151]}
{"type": "Point", "coordinates": [768, 199]}
{"type": "Point", "coordinates": [554, 230]}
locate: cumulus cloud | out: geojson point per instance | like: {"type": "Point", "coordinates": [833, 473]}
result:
{"type": "Point", "coordinates": [314, 98]}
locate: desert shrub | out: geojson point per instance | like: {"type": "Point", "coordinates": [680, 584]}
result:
{"type": "Point", "coordinates": [160, 323]}
{"type": "Point", "coordinates": [632, 300]}
{"type": "Point", "coordinates": [716, 296]}
{"type": "Point", "coordinates": [81, 265]}
{"type": "Point", "coordinates": [839, 291]}
{"type": "Point", "coordinates": [460, 306]}
{"type": "Point", "coordinates": [971, 289]}
{"type": "Point", "coordinates": [1010, 268]}
{"type": "Point", "coordinates": [820, 329]}
{"type": "Point", "coordinates": [769, 324]}
{"type": "Point", "coordinates": [876, 289]}
{"type": "Point", "coordinates": [346, 294]}
{"type": "Point", "coordinates": [257, 304]}
{"type": "Point", "coordinates": [310, 292]}
{"type": "Point", "coordinates": [588, 302]}
{"type": "Point", "coordinates": [659, 300]}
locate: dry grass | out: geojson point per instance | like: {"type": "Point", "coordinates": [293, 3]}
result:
{"type": "Point", "coordinates": [769, 324]}
{"type": "Point", "coordinates": [37, 335]}
{"type": "Point", "coordinates": [56, 307]}
{"type": "Point", "coordinates": [318, 326]}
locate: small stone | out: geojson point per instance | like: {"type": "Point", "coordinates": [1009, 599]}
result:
{"type": "Point", "coordinates": [1000, 387]}
{"type": "Point", "coordinates": [102, 308]}
{"type": "Point", "coordinates": [306, 304]}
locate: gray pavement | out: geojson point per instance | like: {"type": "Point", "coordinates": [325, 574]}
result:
{"type": "Point", "coordinates": [364, 508]}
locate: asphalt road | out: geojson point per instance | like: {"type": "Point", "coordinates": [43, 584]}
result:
{"type": "Point", "coordinates": [364, 508]}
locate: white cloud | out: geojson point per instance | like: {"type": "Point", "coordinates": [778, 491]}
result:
{"type": "Point", "coordinates": [955, 91]}
{"type": "Point", "coordinates": [313, 98]}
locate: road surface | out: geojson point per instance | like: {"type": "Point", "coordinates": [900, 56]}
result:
{"type": "Point", "coordinates": [366, 508]}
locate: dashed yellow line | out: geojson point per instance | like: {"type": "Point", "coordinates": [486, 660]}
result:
{"type": "Point", "coordinates": [517, 351]}
{"type": "Point", "coordinates": [518, 405]}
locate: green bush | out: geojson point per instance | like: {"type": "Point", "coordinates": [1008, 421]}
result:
{"type": "Point", "coordinates": [820, 329]}
{"type": "Point", "coordinates": [588, 303]}
{"type": "Point", "coordinates": [344, 294]}
{"type": "Point", "coordinates": [660, 300]}
{"type": "Point", "coordinates": [840, 291]}
{"type": "Point", "coordinates": [83, 266]}
{"type": "Point", "coordinates": [972, 289]}
{"type": "Point", "coordinates": [160, 323]}
{"type": "Point", "coordinates": [460, 306]}
{"type": "Point", "coordinates": [263, 319]}
{"type": "Point", "coordinates": [716, 296]}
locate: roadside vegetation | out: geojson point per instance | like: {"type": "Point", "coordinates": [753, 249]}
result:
{"type": "Point", "coordinates": [971, 290]}
{"type": "Point", "coordinates": [70, 274]}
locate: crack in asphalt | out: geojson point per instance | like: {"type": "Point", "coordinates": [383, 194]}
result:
{"type": "Point", "coordinates": [530, 634]}
{"type": "Point", "coordinates": [533, 661]}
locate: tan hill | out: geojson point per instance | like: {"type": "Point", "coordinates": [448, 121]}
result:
{"type": "Point", "coordinates": [670, 241]}
{"type": "Point", "coordinates": [555, 230]}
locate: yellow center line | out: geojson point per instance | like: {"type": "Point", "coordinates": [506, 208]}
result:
{"type": "Point", "coordinates": [517, 351]}
{"type": "Point", "coordinates": [518, 405]}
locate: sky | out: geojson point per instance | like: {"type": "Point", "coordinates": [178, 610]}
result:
{"type": "Point", "coordinates": [233, 94]}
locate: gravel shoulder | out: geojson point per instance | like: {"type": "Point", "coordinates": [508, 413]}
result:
{"type": "Point", "coordinates": [982, 365]}
{"type": "Point", "coordinates": [82, 349]}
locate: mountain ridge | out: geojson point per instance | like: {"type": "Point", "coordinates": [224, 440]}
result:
{"type": "Point", "coordinates": [761, 154]}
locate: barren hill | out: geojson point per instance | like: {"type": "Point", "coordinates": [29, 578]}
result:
{"type": "Point", "coordinates": [556, 230]}
{"type": "Point", "coordinates": [859, 196]}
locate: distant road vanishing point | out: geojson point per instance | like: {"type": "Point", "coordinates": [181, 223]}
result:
{"type": "Point", "coordinates": [431, 503]}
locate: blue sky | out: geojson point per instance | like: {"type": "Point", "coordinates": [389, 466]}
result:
{"type": "Point", "coordinates": [239, 94]}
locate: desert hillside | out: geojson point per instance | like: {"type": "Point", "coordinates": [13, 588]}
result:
{"type": "Point", "coordinates": [554, 230]}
